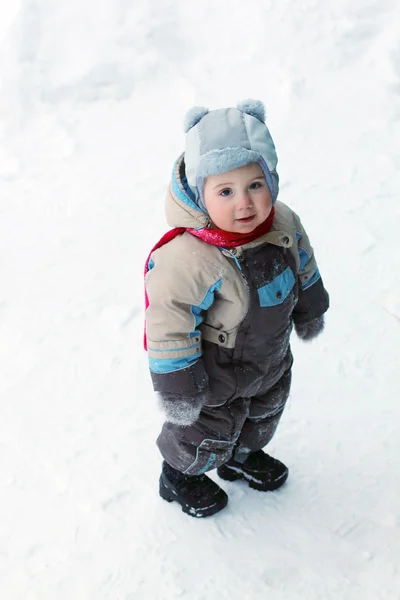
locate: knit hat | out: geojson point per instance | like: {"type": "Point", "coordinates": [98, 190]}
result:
{"type": "Point", "coordinates": [227, 138]}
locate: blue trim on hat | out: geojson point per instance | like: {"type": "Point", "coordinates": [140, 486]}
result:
{"type": "Point", "coordinates": [268, 178]}
{"type": "Point", "coordinates": [221, 160]}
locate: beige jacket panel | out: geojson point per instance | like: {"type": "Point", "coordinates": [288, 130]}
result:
{"type": "Point", "coordinates": [183, 275]}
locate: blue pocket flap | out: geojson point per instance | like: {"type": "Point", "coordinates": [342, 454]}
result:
{"type": "Point", "coordinates": [276, 291]}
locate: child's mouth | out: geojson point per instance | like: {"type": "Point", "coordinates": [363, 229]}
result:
{"type": "Point", "coordinates": [246, 219]}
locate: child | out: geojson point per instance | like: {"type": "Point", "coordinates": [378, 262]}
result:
{"type": "Point", "coordinates": [224, 289]}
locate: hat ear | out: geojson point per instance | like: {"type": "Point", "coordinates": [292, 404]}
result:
{"type": "Point", "coordinates": [193, 116]}
{"type": "Point", "coordinates": [255, 108]}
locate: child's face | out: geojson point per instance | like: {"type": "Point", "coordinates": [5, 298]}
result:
{"type": "Point", "coordinates": [238, 200]}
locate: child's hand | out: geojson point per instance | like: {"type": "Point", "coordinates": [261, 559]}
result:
{"type": "Point", "coordinates": [308, 331]}
{"type": "Point", "coordinates": [181, 410]}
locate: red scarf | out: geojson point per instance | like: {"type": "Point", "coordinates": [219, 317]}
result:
{"type": "Point", "coordinates": [228, 239]}
{"type": "Point", "coordinates": [215, 237]}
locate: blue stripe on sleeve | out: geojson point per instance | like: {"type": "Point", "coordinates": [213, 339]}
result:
{"type": "Point", "coordinates": [168, 365]}
{"type": "Point", "coordinates": [311, 281]}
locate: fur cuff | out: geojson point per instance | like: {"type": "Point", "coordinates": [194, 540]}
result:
{"type": "Point", "coordinates": [181, 410]}
{"type": "Point", "coordinates": [309, 331]}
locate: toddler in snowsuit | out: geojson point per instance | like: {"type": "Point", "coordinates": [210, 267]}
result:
{"type": "Point", "coordinates": [224, 289]}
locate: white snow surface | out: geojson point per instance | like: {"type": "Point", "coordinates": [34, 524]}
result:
{"type": "Point", "coordinates": [92, 100]}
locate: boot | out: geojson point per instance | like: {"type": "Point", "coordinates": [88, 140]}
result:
{"type": "Point", "coordinates": [262, 472]}
{"type": "Point", "coordinates": [198, 495]}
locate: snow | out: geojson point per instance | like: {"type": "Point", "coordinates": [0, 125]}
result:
{"type": "Point", "coordinates": [92, 101]}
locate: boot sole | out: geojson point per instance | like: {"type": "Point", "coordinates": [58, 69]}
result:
{"type": "Point", "coordinates": [230, 475]}
{"type": "Point", "coordinates": [169, 496]}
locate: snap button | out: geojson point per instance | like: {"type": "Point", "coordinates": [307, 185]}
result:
{"type": "Point", "coordinates": [285, 240]}
{"type": "Point", "coordinates": [279, 294]}
{"type": "Point", "coordinates": [221, 338]}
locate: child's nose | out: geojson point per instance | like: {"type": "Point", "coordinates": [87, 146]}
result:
{"type": "Point", "coordinates": [244, 201]}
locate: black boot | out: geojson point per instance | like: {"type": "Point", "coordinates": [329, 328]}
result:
{"type": "Point", "coordinates": [262, 472]}
{"type": "Point", "coordinates": [198, 495]}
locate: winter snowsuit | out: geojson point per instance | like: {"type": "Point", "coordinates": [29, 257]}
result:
{"type": "Point", "coordinates": [221, 319]}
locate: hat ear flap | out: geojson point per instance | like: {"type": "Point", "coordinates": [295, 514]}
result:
{"type": "Point", "coordinates": [193, 116]}
{"type": "Point", "coordinates": [255, 108]}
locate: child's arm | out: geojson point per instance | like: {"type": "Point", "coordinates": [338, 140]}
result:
{"type": "Point", "coordinates": [313, 299]}
{"type": "Point", "coordinates": [177, 298]}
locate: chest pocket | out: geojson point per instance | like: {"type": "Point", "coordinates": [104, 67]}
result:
{"type": "Point", "coordinates": [275, 292]}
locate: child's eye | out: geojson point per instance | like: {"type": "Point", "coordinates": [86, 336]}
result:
{"type": "Point", "coordinates": [225, 192]}
{"type": "Point", "coordinates": [256, 185]}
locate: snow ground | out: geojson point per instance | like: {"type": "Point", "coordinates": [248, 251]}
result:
{"type": "Point", "coordinates": [92, 98]}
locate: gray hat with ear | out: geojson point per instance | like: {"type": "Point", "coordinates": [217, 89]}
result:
{"type": "Point", "coordinates": [225, 139]}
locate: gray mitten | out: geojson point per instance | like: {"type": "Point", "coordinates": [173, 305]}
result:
{"type": "Point", "coordinates": [181, 410]}
{"type": "Point", "coordinates": [308, 331]}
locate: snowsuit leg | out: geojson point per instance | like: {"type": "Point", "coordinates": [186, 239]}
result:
{"type": "Point", "coordinates": [208, 443]}
{"type": "Point", "coordinates": [263, 417]}
{"type": "Point", "coordinates": [239, 426]}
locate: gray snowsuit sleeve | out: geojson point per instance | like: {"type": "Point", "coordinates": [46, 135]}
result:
{"type": "Point", "coordinates": [313, 299]}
